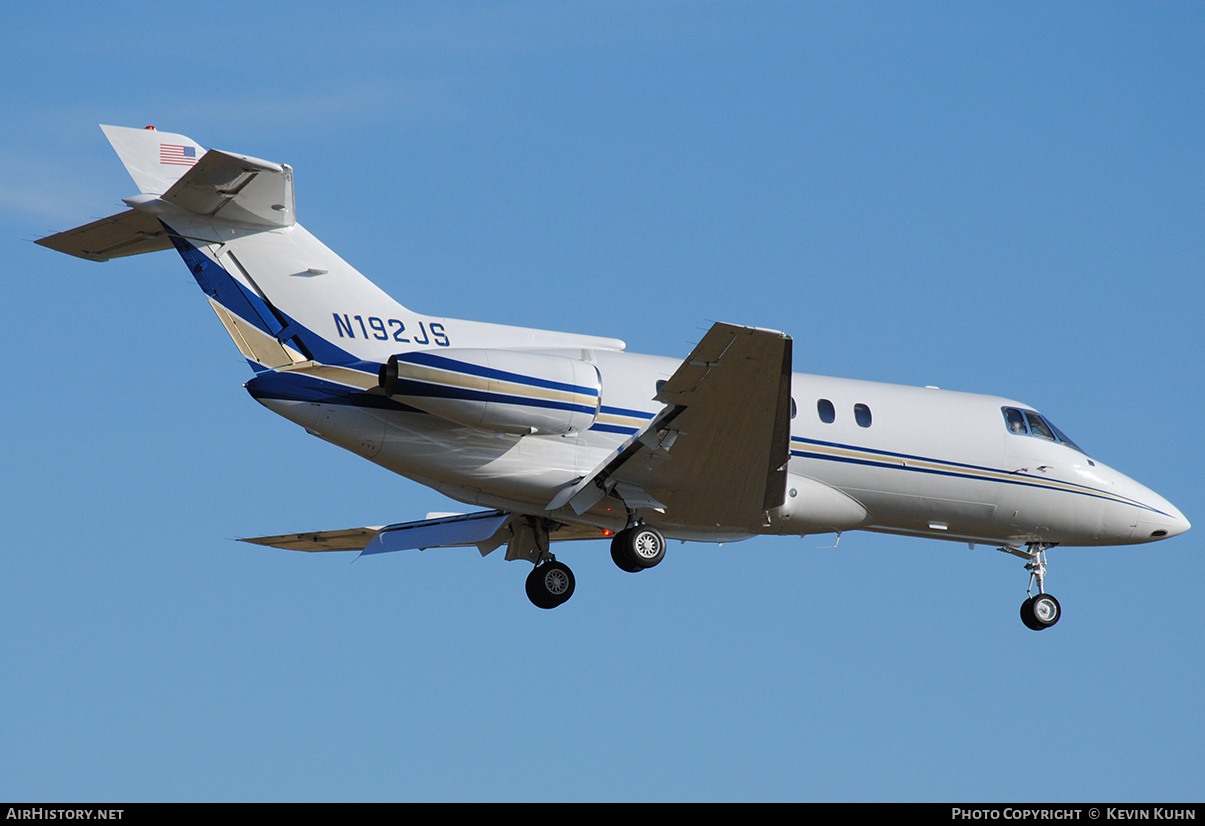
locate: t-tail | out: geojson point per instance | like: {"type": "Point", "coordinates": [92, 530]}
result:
{"type": "Point", "coordinates": [290, 304]}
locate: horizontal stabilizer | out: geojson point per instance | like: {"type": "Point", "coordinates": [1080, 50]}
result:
{"type": "Point", "coordinates": [236, 188]}
{"type": "Point", "coordinates": [127, 233]}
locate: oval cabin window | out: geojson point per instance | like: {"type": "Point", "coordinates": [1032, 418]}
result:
{"type": "Point", "coordinates": [862, 415]}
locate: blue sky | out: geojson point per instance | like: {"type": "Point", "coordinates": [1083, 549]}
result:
{"type": "Point", "coordinates": [1001, 198]}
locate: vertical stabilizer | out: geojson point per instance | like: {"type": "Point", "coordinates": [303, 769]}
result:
{"type": "Point", "coordinates": [154, 159]}
{"type": "Point", "coordinates": [289, 302]}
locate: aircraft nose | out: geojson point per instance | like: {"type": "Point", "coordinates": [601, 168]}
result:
{"type": "Point", "coordinates": [1164, 520]}
{"type": "Point", "coordinates": [1151, 517]}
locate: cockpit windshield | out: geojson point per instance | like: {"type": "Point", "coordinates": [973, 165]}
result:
{"type": "Point", "coordinates": [1029, 423]}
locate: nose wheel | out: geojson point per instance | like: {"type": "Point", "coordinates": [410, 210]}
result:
{"type": "Point", "coordinates": [1040, 611]}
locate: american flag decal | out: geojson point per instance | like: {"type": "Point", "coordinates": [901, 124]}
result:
{"type": "Point", "coordinates": [171, 153]}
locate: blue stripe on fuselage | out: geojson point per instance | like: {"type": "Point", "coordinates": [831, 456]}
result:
{"type": "Point", "coordinates": [452, 365]}
{"type": "Point", "coordinates": [418, 389]}
{"type": "Point", "coordinates": [299, 387]}
{"type": "Point", "coordinates": [899, 462]}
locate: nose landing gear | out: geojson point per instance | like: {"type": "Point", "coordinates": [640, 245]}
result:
{"type": "Point", "coordinates": [1040, 612]}
{"type": "Point", "coordinates": [1043, 610]}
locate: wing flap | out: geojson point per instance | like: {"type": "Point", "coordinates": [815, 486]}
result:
{"type": "Point", "coordinates": [486, 530]}
{"type": "Point", "coordinates": [444, 532]}
{"type": "Point", "coordinates": [447, 532]}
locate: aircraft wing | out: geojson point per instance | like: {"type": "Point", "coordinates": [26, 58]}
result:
{"type": "Point", "coordinates": [352, 539]}
{"type": "Point", "coordinates": [717, 453]}
{"type": "Point", "coordinates": [486, 530]}
{"type": "Point", "coordinates": [443, 532]}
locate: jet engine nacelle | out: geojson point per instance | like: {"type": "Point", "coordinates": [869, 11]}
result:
{"type": "Point", "coordinates": [505, 391]}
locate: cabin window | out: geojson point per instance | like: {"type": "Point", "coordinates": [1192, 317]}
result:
{"type": "Point", "coordinates": [828, 413]}
{"type": "Point", "coordinates": [794, 409]}
{"type": "Point", "coordinates": [862, 415]}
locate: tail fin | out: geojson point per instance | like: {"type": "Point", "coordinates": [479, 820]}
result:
{"type": "Point", "coordinates": [287, 300]}
{"type": "Point", "coordinates": [154, 159]}
{"type": "Point", "coordinates": [229, 215]}
{"type": "Point", "coordinates": [174, 173]}
{"type": "Point", "coordinates": [213, 184]}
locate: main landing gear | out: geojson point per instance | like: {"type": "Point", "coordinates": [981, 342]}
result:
{"type": "Point", "coordinates": [1041, 611]}
{"type": "Point", "coordinates": [638, 547]}
{"type": "Point", "coordinates": [551, 583]}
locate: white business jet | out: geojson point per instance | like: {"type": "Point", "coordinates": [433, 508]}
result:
{"type": "Point", "coordinates": [562, 437]}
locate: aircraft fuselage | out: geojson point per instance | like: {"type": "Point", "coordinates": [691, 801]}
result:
{"type": "Point", "coordinates": [863, 456]}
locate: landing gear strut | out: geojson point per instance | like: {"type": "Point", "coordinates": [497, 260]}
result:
{"type": "Point", "coordinates": [1041, 611]}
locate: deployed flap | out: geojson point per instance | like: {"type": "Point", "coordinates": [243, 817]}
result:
{"type": "Point", "coordinates": [447, 532]}
{"type": "Point", "coordinates": [487, 530]}
{"type": "Point", "coordinates": [443, 532]}
{"type": "Point", "coordinates": [236, 188]}
{"type": "Point", "coordinates": [127, 233]}
{"type": "Point", "coordinates": [717, 454]}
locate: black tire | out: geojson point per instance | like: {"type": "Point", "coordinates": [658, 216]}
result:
{"type": "Point", "coordinates": [620, 555]}
{"type": "Point", "coordinates": [1027, 615]}
{"type": "Point", "coordinates": [1040, 612]}
{"type": "Point", "coordinates": [550, 584]}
